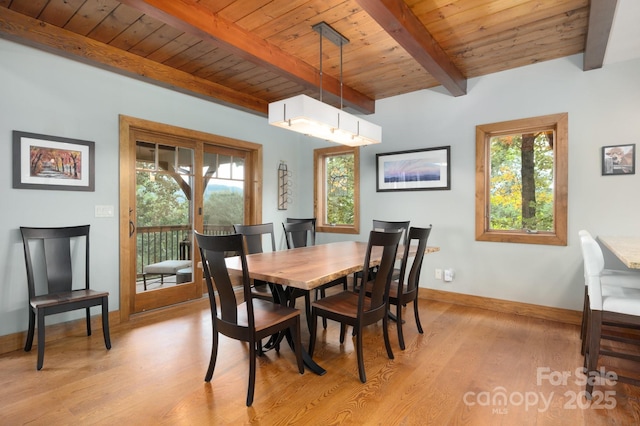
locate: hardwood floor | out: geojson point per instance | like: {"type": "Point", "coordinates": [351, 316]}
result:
{"type": "Point", "coordinates": [455, 373]}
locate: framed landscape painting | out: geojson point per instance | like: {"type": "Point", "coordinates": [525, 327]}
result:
{"type": "Point", "coordinates": [415, 170]}
{"type": "Point", "coordinates": [52, 162]}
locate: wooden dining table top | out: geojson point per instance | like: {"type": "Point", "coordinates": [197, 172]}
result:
{"type": "Point", "coordinates": [310, 267]}
{"type": "Point", "coordinates": [627, 249]}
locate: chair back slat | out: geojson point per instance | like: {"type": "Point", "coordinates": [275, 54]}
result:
{"type": "Point", "coordinates": [299, 234]}
{"type": "Point", "coordinates": [378, 298]}
{"type": "Point", "coordinates": [56, 244]}
{"type": "Point", "coordinates": [421, 235]}
{"type": "Point", "coordinates": [57, 254]}
{"type": "Point", "coordinates": [388, 226]}
{"type": "Point", "coordinates": [311, 220]}
{"type": "Point", "coordinates": [214, 249]}
{"type": "Point", "coordinates": [253, 236]}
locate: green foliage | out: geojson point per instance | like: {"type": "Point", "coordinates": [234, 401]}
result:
{"type": "Point", "coordinates": [340, 189]}
{"type": "Point", "coordinates": [160, 201]}
{"type": "Point", "coordinates": [506, 184]}
{"type": "Point", "coordinates": [224, 207]}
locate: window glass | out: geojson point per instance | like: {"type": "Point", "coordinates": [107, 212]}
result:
{"type": "Point", "coordinates": [521, 187]}
{"type": "Point", "coordinates": [337, 184]}
{"type": "Point", "coordinates": [521, 180]}
{"type": "Point", "coordinates": [338, 170]}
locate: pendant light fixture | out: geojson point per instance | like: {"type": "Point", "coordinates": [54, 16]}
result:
{"type": "Point", "coordinates": [315, 118]}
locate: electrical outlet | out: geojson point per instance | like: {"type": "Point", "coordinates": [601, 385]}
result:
{"type": "Point", "coordinates": [438, 274]}
{"type": "Point", "coordinates": [448, 275]}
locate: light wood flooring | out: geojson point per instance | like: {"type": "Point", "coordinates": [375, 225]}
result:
{"type": "Point", "coordinates": [453, 374]}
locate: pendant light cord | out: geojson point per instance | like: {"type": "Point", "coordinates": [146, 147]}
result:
{"type": "Point", "coordinates": [320, 32]}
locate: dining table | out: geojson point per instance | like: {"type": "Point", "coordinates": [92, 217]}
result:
{"type": "Point", "coordinates": [625, 248]}
{"type": "Point", "coordinates": [307, 268]}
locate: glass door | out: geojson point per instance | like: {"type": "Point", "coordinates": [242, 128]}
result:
{"type": "Point", "coordinates": [175, 181]}
{"type": "Point", "coordinates": [224, 194]}
{"type": "Point", "coordinates": [164, 223]}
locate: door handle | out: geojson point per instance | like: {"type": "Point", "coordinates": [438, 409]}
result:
{"type": "Point", "coordinates": [132, 228]}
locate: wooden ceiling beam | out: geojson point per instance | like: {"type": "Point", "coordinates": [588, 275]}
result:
{"type": "Point", "coordinates": [395, 17]}
{"type": "Point", "coordinates": [32, 32]}
{"type": "Point", "coordinates": [601, 13]}
{"type": "Point", "coordinates": [194, 18]}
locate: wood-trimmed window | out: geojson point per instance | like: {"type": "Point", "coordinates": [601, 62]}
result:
{"type": "Point", "coordinates": [337, 189]}
{"type": "Point", "coordinates": [532, 138]}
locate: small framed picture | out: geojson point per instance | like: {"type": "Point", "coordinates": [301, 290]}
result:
{"type": "Point", "coordinates": [415, 170]}
{"type": "Point", "coordinates": [52, 162]}
{"type": "Point", "coordinates": [619, 159]}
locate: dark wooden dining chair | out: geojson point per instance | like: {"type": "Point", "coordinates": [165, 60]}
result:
{"type": "Point", "coordinates": [405, 289]}
{"type": "Point", "coordinates": [359, 309]}
{"type": "Point", "coordinates": [389, 226]}
{"type": "Point", "coordinates": [385, 226]}
{"type": "Point", "coordinates": [250, 320]}
{"type": "Point", "coordinates": [48, 257]}
{"type": "Point", "coordinates": [299, 234]}
{"type": "Point", "coordinates": [254, 236]}
{"type": "Point", "coordinates": [302, 234]}
{"type": "Point", "coordinates": [311, 220]}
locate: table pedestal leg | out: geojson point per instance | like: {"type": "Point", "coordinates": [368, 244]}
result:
{"type": "Point", "coordinates": [282, 296]}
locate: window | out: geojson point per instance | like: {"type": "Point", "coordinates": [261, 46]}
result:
{"type": "Point", "coordinates": [521, 180]}
{"type": "Point", "coordinates": [337, 189]}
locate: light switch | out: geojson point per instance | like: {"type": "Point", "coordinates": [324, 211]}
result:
{"type": "Point", "coordinates": [104, 211]}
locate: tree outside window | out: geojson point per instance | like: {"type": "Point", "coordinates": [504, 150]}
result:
{"type": "Point", "coordinates": [521, 190]}
{"type": "Point", "coordinates": [521, 184]}
{"type": "Point", "coordinates": [337, 183]}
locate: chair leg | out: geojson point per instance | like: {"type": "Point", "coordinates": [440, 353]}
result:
{"type": "Point", "coordinates": [585, 338]}
{"type": "Point", "coordinates": [591, 358]}
{"type": "Point", "coordinates": [252, 373]}
{"type": "Point", "coordinates": [32, 328]}
{"type": "Point", "coordinates": [385, 333]}
{"type": "Point", "coordinates": [40, 318]}
{"type": "Point", "coordinates": [363, 376]}
{"type": "Point", "coordinates": [214, 356]}
{"type": "Point", "coordinates": [583, 325]}
{"type": "Point", "coordinates": [323, 294]}
{"type": "Point", "coordinates": [417, 315]}
{"type": "Point", "coordinates": [343, 331]}
{"type": "Point", "coordinates": [399, 326]}
{"type": "Point", "coordinates": [105, 322]}
{"type": "Point", "coordinates": [88, 315]}
{"type": "Point", "coordinates": [144, 281]}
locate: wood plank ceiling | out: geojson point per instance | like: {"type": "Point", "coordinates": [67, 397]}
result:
{"type": "Point", "coordinates": [247, 53]}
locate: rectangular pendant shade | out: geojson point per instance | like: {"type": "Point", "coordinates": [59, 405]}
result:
{"type": "Point", "coordinates": [311, 117]}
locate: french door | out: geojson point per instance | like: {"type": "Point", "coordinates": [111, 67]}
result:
{"type": "Point", "coordinates": [175, 181]}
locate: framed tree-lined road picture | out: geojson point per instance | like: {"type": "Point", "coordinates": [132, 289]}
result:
{"type": "Point", "coordinates": [415, 170]}
{"type": "Point", "coordinates": [52, 162]}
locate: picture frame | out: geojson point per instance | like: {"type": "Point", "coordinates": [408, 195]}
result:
{"type": "Point", "coordinates": [52, 162]}
{"type": "Point", "coordinates": [619, 159]}
{"type": "Point", "coordinates": [414, 170]}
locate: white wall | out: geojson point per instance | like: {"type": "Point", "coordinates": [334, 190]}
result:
{"type": "Point", "coordinates": [604, 109]}
{"type": "Point", "coordinates": [45, 94]}
{"type": "Point", "coordinates": [42, 93]}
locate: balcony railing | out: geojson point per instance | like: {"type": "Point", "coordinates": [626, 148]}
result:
{"type": "Point", "coordinates": [158, 243]}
